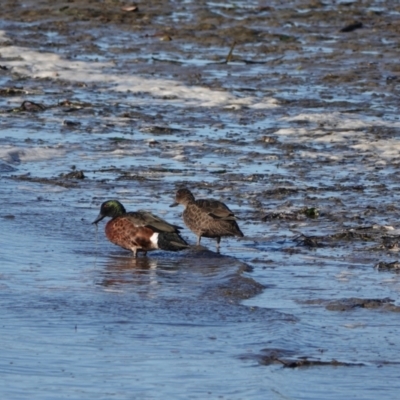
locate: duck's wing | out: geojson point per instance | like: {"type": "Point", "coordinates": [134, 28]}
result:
{"type": "Point", "coordinates": [146, 218]}
{"type": "Point", "coordinates": [216, 209]}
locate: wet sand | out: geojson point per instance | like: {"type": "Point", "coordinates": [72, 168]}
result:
{"type": "Point", "coordinates": [289, 115]}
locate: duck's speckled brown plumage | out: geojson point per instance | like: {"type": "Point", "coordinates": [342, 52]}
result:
{"type": "Point", "coordinates": [140, 230]}
{"type": "Point", "coordinates": [207, 217]}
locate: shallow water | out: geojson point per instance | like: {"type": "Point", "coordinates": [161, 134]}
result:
{"type": "Point", "coordinates": [302, 121]}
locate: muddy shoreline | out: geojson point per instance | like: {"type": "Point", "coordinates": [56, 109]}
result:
{"type": "Point", "coordinates": [289, 115]}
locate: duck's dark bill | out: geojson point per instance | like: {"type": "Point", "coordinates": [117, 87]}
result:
{"type": "Point", "coordinates": [98, 219]}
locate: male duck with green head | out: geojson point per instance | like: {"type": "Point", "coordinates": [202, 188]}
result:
{"type": "Point", "coordinates": [140, 230]}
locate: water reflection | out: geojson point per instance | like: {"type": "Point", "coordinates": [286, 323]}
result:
{"type": "Point", "coordinates": [137, 265]}
{"type": "Point", "coordinates": [120, 272]}
{"type": "Point", "coordinates": [189, 274]}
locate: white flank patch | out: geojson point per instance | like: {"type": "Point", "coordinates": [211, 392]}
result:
{"type": "Point", "coordinates": [154, 240]}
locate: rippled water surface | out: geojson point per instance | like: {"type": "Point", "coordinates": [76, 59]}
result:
{"type": "Point", "coordinates": [297, 131]}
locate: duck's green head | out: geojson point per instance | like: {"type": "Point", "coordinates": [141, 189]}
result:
{"type": "Point", "coordinates": [110, 208]}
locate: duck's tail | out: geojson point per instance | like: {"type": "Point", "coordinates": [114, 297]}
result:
{"type": "Point", "coordinates": [171, 241]}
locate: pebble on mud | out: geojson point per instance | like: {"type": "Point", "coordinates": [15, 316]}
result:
{"type": "Point", "coordinates": [73, 175]}
{"type": "Point", "coordinates": [353, 303]}
{"type": "Point", "coordinates": [388, 266]}
{"type": "Point", "coordinates": [352, 27]}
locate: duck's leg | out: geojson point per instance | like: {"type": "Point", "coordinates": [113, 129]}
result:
{"type": "Point", "coordinates": [134, 251]}
{"type": "Point", "coordinates": [218, 242]}
{"type": "Point", "coordinates": [198, 240]}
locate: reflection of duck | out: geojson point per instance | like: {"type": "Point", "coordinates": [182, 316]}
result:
{"type": "Point", "coordinates": [128, 270]}
{"type": "Point", "coordinates": [207, 217]}
{"type": "Point", "coordinates": [136, 265]}
{"type": "Point", "coordinates": [139, 231]}
{"type": "Point", "coordinates": [185, 277]}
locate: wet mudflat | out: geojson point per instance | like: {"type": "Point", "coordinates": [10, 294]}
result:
{"type": "Point", "coordinates": [289, 115]}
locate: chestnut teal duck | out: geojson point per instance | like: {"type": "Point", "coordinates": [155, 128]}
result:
{"type": "Point", "coordinates": [140, 230]}
{"type": "Point", "coordinates": [207, 217]}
